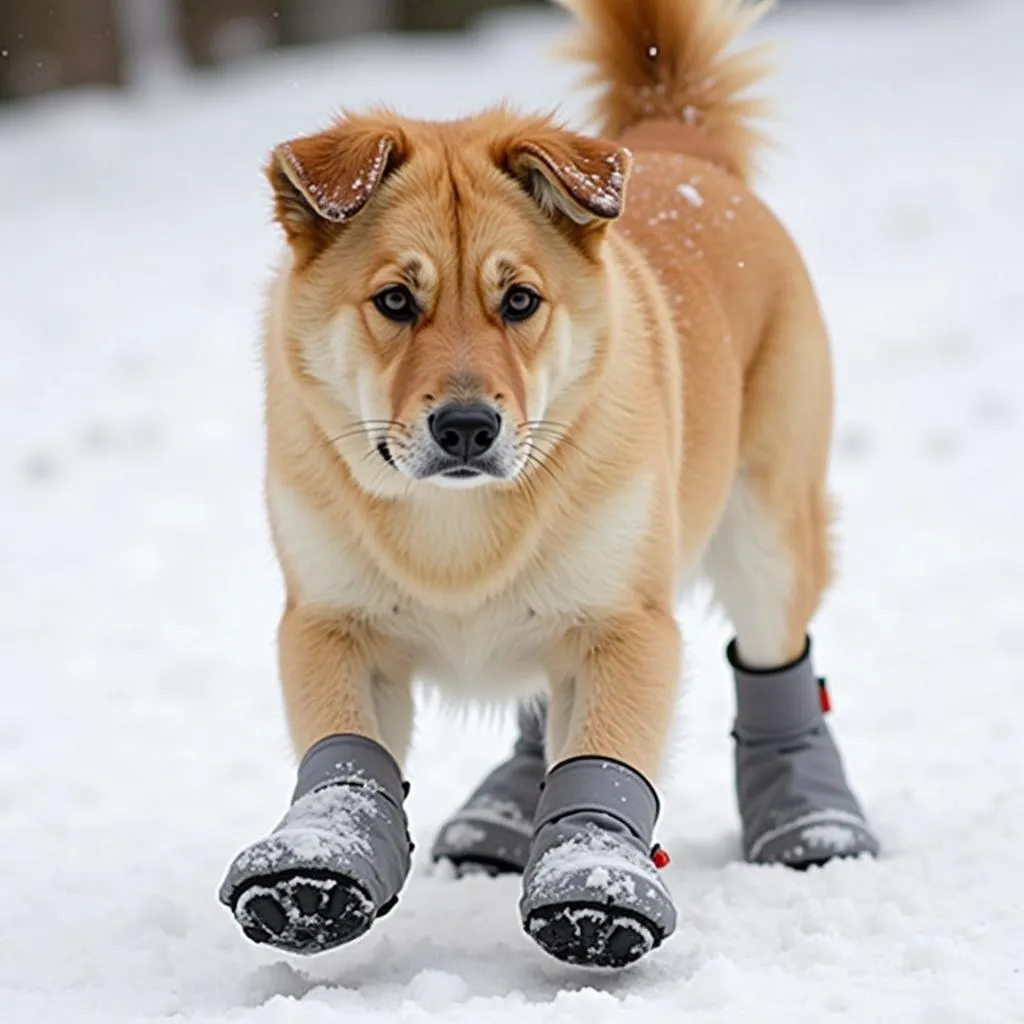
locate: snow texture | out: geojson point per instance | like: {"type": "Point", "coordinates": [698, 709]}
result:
{"type": "Point", "coordinates": [595, 859]}
{"type": "Point", "coordinates": [691, 195]}
{"type": "Point", "coordinates": [141, 737]}
{"type": "Point", "coordinates": [323, 829]}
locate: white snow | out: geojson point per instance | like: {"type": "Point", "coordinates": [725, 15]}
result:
{"type": "Point", "coordinates": [691, 195]}
{"type": "Point", "coordinates": [461, 836]}
{"type": "Point", "coordinates": [834, 838]}
{"type": "Point", "coordinates": [613, 868]}
{"type": "Point", "coordinates": [142, 743]}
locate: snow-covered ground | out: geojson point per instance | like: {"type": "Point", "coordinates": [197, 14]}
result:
{"type": "Point", "coordinates": [141, 739]}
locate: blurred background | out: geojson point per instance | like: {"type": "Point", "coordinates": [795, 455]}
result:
{"type": "Point", "coordinates": [56, 44]}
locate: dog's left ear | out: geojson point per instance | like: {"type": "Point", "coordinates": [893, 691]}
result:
{"type": "Point", "coordinates": [577, 177]}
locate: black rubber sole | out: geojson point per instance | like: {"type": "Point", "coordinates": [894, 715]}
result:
{"type": "Point", "coordinates": [820, 862]}
{"type": "Point", "coordinates": [806, 865]}
{"type": "Point", "coordinates": [304, 912]}
{"type": "Point", "coordinates": [593, 934]}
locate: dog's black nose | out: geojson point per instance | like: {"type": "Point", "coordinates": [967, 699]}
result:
{"type": "Point", "coordinates": [465, 431]}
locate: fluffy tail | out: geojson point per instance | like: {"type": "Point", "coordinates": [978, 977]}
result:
{"type": "Point", "coordinates": [667, 59]}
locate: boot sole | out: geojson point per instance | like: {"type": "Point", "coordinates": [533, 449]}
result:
{"type": "Point", "coordinates": [304, 912]}
{"type": "Point", "coordinates": [593, 934]}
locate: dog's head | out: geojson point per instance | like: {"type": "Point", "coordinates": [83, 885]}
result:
{"type": "Point", "coordinates": [447, 293]}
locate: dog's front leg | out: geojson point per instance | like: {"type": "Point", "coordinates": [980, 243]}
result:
{"type": "Point", "coordinates": [591, 893]}
{"type": "Point", "coordinates": [339, 857]}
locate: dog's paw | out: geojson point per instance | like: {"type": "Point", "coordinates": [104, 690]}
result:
{"type": "Point", "coordinates": [814, 839]}
{"type": "Point", "coordinates": [338, 859]}
{"type": "Point", "coordinates": [304, 912]}
{"type": "Point", "coordinates": [592, 894]}
{"type": "Point", "coordinates": [593, 935]}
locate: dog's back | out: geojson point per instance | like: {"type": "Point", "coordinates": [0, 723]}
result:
{"type": "Point", "coordinates": [673, 90]}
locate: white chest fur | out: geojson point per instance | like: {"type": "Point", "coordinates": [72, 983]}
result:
{"type": "Point", "coordinates": [495, 648]}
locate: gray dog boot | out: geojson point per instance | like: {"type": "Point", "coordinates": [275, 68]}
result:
{"type": "Point", "coordinates": [337, 860]}
{"type": "Point", "coordinates": [491, 831]}
{"type": "Point", "coordinates": [795, 803]}
{"type": "Point", "coordinates": [591, 892]}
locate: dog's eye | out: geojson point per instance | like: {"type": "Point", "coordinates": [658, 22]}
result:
{"type": "Point", "coordinates": [397, 303]}
{"type": "Point", "coordinates": [519, 303]}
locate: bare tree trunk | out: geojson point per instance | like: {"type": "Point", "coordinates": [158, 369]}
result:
{"type": "Point", "coordinates": [216, 31]}
{"type": "Point", "coordinates": [57, 44]}
{"type": "Point", "coordinates": [438, 15]}
{"type": "Point", "coordinates": [318, 21]}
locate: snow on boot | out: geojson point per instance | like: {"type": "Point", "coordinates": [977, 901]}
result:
{"type": "Point", "coordinates": [337, 860]}
{"type": "Point", "coordinates": [491, 831]}
{"type": "Point", "coordinates": [795, 803]}
{"type": "Point", "coordinates": [591, 893]}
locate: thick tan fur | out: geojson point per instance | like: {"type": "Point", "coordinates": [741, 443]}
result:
{"type": "Point", "coordinates": [668, 61]}
{"type": "Point", "coordinates": [668, 407]}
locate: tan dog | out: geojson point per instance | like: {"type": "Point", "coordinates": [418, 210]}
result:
{"type": "Point", "coordinates": [669, 399]}
{"type": "Point", "coordinates": [510, 410]}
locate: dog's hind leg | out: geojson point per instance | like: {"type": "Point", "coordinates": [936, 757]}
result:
{"type": "Point", "coordinates": [491, 831]}
{"type": "Point", "coordinates": [769, 562]}
{"type": "Point", "coordinates": [339, 857]}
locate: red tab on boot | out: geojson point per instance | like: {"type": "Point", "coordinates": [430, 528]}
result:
{"type": "Point", "coordinates": [660, 858]}
{"type": "Point", "coordinates": [823, 697]}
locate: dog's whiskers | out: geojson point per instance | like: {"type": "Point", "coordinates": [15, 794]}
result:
{"type": "Point", "coordinates": [532, 459]}
{"type": "Point", "coordinates": [553, 434]}
{"type": "Point", "coordinates": [369, 428]}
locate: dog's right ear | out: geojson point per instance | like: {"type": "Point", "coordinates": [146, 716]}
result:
{"type": "Point", "coordinates": [321, 181]}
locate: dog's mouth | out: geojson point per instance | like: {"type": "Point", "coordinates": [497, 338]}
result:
{"type": "Point", "coordinates": [452, 472]}
{"type": "Point", "coordinates": [457, 472]}
{"type": "Point", "coordinates": [460, 472]}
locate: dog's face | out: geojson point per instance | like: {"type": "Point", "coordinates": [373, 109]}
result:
{"type": "Point", "coordinates": [446, 292]}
